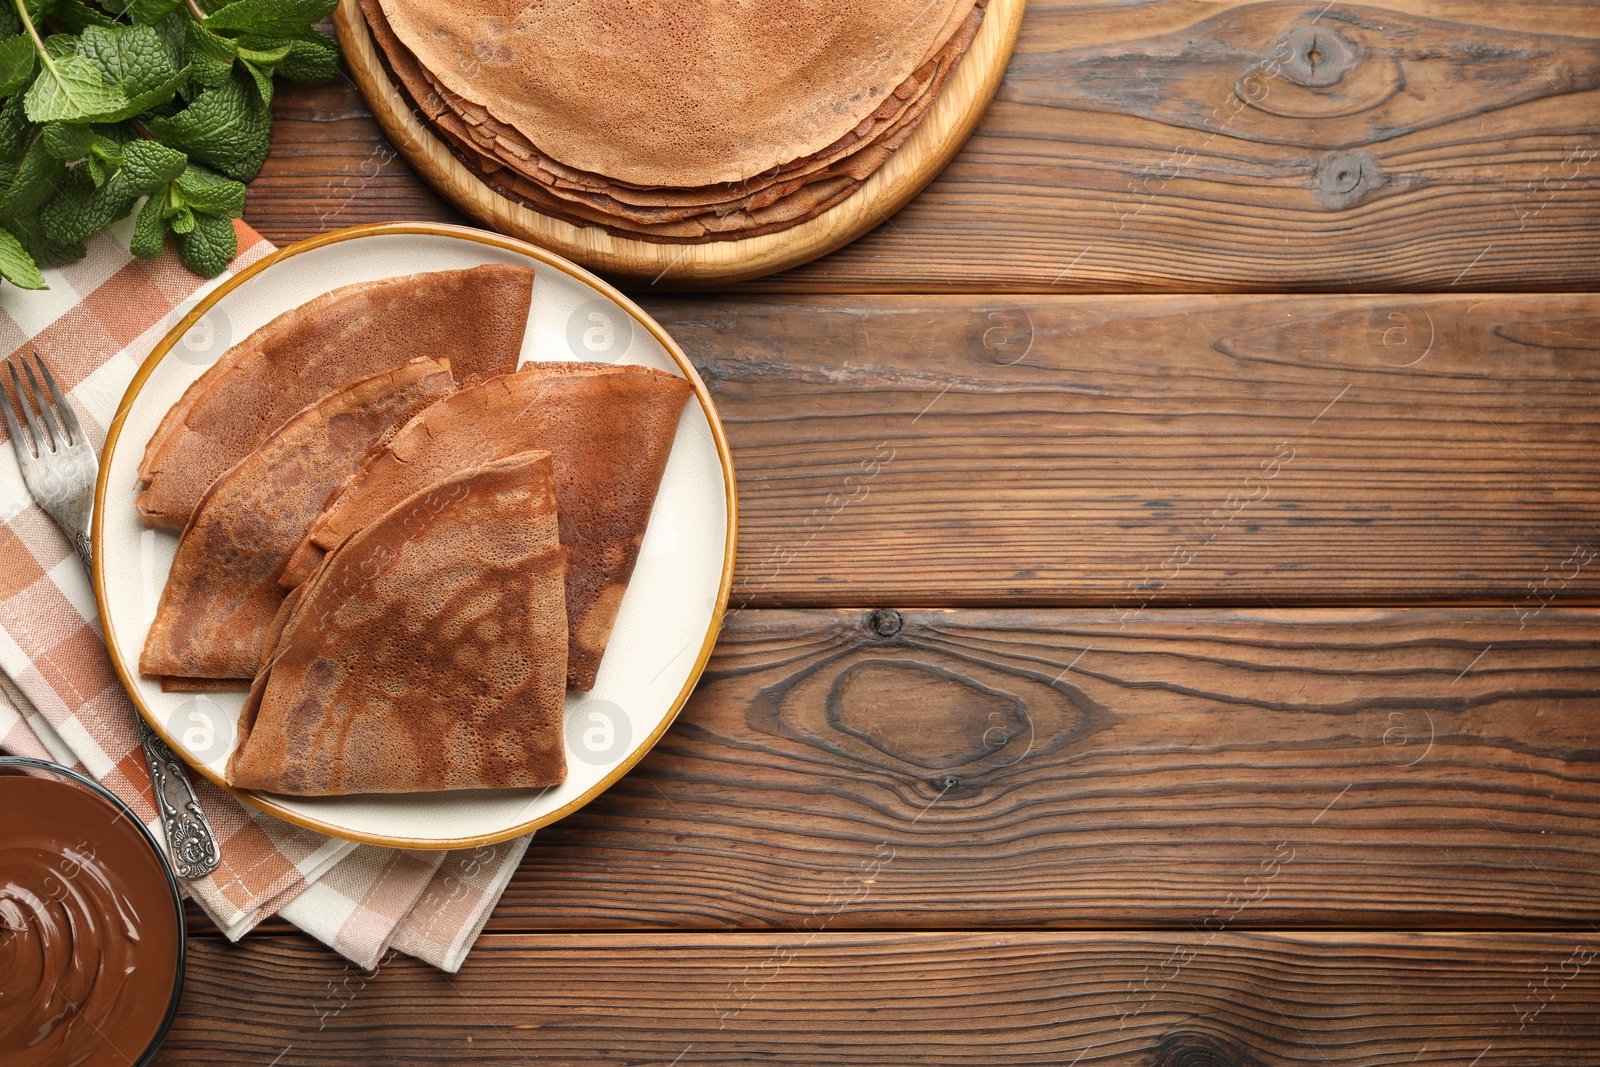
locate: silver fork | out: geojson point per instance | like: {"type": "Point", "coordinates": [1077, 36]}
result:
{"type": "Point", "coordinates": [59, 468]}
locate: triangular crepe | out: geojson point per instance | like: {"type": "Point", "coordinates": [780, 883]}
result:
{"type": "Point", "coordinates": [474, 318]}
{"type": "Point", "coordinates": [223, 589]}
{"type": "Point", "coordinates": [428, 652]}
{"type": "Point", "coordinates": [610, 429]}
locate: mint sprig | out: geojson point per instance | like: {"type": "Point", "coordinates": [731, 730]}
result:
{"type": "Point", "coordinates": [157, 106]}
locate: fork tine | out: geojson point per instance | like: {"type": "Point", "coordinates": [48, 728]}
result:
{"type": "Point", "coordinates": [10, 413]}
{"type": "Point", "coordinates": [32, 439]}
{"type": "Point", "coordinates": [67, 417]}
{"type": "Point", "coordinates": [41, 403]}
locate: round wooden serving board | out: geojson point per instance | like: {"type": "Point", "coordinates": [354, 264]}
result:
{"type": "Point", "coordinates": [944, 128]}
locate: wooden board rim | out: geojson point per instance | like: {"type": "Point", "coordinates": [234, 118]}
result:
{"type": "Point", "coordinates": [265, 802]}
{"type": "Point", "coordinates": [944, 128]}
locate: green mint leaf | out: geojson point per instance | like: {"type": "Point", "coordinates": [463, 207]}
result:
{"type": "Point", "coordinates": [155, 97]}
{"type": "Point", "coordinates": [261, 78]}
{"type": "Point", "coordinates": [181, 220]}
{"type": "Point", "coordinates": [39, 175]}
{"type": "Point", "coordinates": [66, 141]}
{"type": "Point", "coordinates": [15, 129]}
{"type": "Point", "coordinates": [224, 201]}
{"type": "Point", "coordinates": [45, 252]}
{"type": "Point", "coordinates": [105, 154]}
{"type": "Point", "coordinates": [211, 194]}
{"type": "Point", "coordinates": [264, 51]}
{"type": "Point", "coordinates": [144, 12]}
{"type": "Point", "coordinates": [81, 209]}
{"type": "Point", "coordinates": [174, 34]}
{"type": "Point", "coordinates": [110, 137]}
{"type": "Point", "coordinates": [135, 60]}
{"type": "Point", "coordinates": [9, 23]}
{"type": "Point", "coordinates": [70, 89]}
{"type": "Point", "coordinates": [209, 246]}
{"type": "Point", "coordinates": [309, 61]}
{"type": "Point", "coordinates": [148, 166]}
{"type": "Point", "coordinates": [18, 57]}
{"type": "Point", "coordinates": [196, 178]}
{"type": "Point", "coordinates": [285, 18]}
{"type": "Point", "coordinates": [135, 57]}
{"type": "Point", "coordinates": [75, 16]}
{"type": "Point", "coordinates": [226, 127]}
{"type": "Point", "coordinates": [61, 44]}
{"type": "Point", "coordinates": [150, 229]}
{"type": "Point", "coordinates": [261, 56]}
{"type": "Point", "coordinates": [16, 265]}
{"type": "Point", "coordinates": [210, 56]}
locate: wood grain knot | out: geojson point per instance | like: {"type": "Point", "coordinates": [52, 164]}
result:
{"type": "Point", "coordinates": [885, 622]}
{"type": "Point", "coordinates": [1343, 178]}
{"type": "Point", "coordinates": [1190, 1049]}
{"type": "Point", "coordinates": [922, 715]}
{"type": "Point", "coordinates": [1314, 56]}
{"type": "Point", "coordinates": [1315, 72]}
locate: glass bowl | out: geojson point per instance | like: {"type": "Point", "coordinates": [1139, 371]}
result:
{"type": "Point", "coordinates": [86, 937]}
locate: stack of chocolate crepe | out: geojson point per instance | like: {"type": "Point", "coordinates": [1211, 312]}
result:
{"type": "Point", "coordinates": [404, 547]}
{"type": "Point", "coordinates": [673, 122]}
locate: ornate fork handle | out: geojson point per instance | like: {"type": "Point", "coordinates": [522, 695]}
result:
{"type": "Point", "coordinates": [189, 834]}
{"type": "Point", "coordinates": [190, 839]}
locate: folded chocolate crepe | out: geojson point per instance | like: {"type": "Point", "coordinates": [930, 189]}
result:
{"type": "Point", "coordinates": [473, 318]}
{"type": "Point", "coordinates": [610, 429]}
{"type": "Point", "coordinates": [427, 652]}
{"type": "Point", "coordinates": [223, 590]}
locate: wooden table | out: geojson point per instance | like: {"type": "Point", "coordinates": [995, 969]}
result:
{"type": "Point", "coordinates": [1132, 662]}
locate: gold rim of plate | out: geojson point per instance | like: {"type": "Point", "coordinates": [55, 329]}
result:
{"type": "Point", "coordinates": [945, 127]}
{"type": "Point", "coordinates": [266, 802]}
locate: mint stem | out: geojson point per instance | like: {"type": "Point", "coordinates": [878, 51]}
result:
{"type": "Point", "coordinates": [22, 9]}
{"type": "Point", "coordinates": [194, 9]}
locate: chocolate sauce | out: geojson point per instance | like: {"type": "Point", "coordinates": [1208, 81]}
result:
{"type": "Point", "coordinates": [90, 941]}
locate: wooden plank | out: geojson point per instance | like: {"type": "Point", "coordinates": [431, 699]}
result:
{"type": "Point", "coordinates": [1195, 147]}
{"type": "Point", "coordinates": [1182, 147]}
{"type": "Point", "coordinates": [1158, 450]}
{"type": "Point", "coordinates": [330, 166]}
{"type": "Point", "coordinates": [1070, 769]}
{"type": "Point", "coordinates": [1222, 999]}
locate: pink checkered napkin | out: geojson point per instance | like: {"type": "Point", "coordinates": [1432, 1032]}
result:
{"type": "Point", "coordinates": [61, 700]}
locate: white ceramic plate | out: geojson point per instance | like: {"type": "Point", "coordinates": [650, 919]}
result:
{"type": "Point", "coordinates": [669, 617]}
